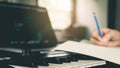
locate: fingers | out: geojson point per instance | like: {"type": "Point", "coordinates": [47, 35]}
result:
{"type": "Point", "coordinates": [113, 43]}
{"type": "Point", "coordinates": [112, 38]}
{"type": "Point", "coordinates": [95, 35]}
{"type": "Point", "coordinates": [95, 41]}
{"type": "Point", "coordinates": [107, 37]}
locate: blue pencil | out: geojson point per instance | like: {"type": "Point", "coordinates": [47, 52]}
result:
{"type": "Point", "coordinates": [97, 25]}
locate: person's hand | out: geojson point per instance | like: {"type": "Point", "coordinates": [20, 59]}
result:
{"type": "Point", "coordinates": [110, 37]}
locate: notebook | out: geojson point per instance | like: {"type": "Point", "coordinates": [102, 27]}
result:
{"type": "Point", "coordinates": [111, 54]}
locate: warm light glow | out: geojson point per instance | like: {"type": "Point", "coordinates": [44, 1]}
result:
{"type": "Point", "coordinates": [59, 12]}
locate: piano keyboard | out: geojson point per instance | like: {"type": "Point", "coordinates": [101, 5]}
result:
{"type": "Point", "coordinates": [57, 59]}
{"type": "Point", "coordinates": [78, 64]}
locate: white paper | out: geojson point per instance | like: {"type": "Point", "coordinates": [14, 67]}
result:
{"type": "Point", "coordinates": [111, 54]}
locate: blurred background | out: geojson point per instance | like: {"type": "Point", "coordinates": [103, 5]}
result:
{"type": "Point", "coordinates": [73, 19]}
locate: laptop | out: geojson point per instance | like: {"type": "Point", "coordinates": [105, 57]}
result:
{"type": "Point", "coordinates": [25, 27]}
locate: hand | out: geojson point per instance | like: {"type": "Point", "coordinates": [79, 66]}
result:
{"type": "Point", "coordinates": [110, 37]}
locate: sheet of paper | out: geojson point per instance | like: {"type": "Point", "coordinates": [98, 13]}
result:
{"type": "Point", "coordinates": [111, 54]}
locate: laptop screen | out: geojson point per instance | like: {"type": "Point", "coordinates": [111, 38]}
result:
{"type": "Point", "coordinates": [23, 26]}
